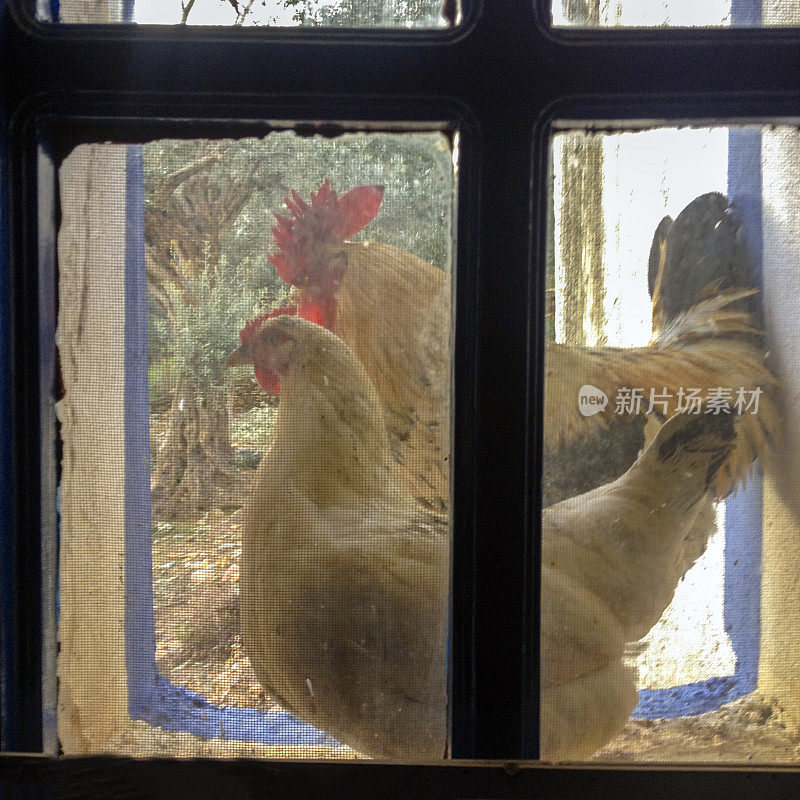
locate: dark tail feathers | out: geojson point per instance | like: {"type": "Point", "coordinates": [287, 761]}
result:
{"type": "Point", "coordinates": [712, 434]}
{"type": "Point", "coordinates": [703, 248]}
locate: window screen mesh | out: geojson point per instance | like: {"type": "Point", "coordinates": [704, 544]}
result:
{"type": "Point", "coordinates": [420, 14]}
{"type": "Point", "coordinates": [255, 513]}
{"type": "Point", "coordinates": [670, 624]}
{"type": "Point", "coordinates": [674, 13]}
{"type": "Point", "coordinates": [664, 552]}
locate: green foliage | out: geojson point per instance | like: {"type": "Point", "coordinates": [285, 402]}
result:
{"type": "Point", "coordinates": [206, 333]}
{"type": "Point", "coordinates": [416, 170]}
{"type": "Point", "coordinates": [159, 336]}
{"type": "Point", "coordinates": [162, 377]}
{"type": "Point", "coordinates": [415, 215]}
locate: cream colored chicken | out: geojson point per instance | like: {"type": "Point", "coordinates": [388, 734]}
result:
{"type": "Point", "coordinates": [611, 559]}
{"type": "Point", "coordinates": [344, 579]}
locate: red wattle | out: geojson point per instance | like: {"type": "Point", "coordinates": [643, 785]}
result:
{"type": "Point", "coordinates": [267, 380]}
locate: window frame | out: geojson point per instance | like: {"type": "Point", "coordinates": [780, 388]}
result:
{"type": "Point", "coordinates": [152, 697]}
{"type": "Point", "coordinates": [514, 77]}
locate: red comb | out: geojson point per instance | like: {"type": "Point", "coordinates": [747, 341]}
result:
{"type": "Point", "coordinates": [246, 333]}
{"type": "Point", "coordinates": [326, 218]}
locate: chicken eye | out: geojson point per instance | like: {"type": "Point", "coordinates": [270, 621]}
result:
{"type": "Point", "coordinates": [278, 337]}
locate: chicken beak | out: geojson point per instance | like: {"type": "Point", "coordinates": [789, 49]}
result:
{"type": "Point", "coordinates": [238, 358]}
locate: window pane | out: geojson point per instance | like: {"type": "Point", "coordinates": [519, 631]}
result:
{"type": "Point", "coordinates": [674, 13]}
{"type": "Point", "coordinates": [670, 605]}
{"type": "Point", "coordinates": [255, 500]}
{"type": "Point", "coordinates": [273, 13]}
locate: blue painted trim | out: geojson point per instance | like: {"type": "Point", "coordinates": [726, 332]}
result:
{"type": "Point", "coordinates": [746, 13]}
{"type": "Point", "coordinates": [689, 699]}
{"type": "Point", "coordinates": [127, 10]}
{"type": "Point", "coordinates": [140, 644]}
{"type": "Point", "coordinates": [745, 187]}
{"type": "Point", "coordinates": [177, 709]}
{"type": "Point", "coordinates": [151, 697]}
{"type": "Point", "coordinates": [742, 610]}
{"type": "Point", "coordinates": [744, 512]}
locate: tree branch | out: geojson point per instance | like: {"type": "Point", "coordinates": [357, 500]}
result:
{"type": "Point", "coordinates": [172, 182]}
{"type": "Point", "coordinates": [242, 15]}
{"type": "Point", "coordinates": [186, 7]}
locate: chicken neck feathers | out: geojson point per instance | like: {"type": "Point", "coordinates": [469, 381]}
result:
{"type": "Point", "coordinates": [394, 313]}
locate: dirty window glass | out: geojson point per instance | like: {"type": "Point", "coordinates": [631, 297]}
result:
{"type": "Point", "coordinates": [421, 14]}
{"type": "Point", "coordinates": [255, 346]}
{"type": "Point", "coordinates": [673, 13]}
{"type": "Point", "coordinates": [666, 572]}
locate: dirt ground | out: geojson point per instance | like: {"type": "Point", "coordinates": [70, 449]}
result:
{"type": "Point", "coordinates": [196, 603]}
{"type": "Point", "coordinates": [196, 595]}
{"type": "Point", "coordinates": [748, 731]}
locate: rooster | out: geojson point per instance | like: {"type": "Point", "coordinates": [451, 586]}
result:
{"type": "Point", "coordinates": [710, 346]}
{"type": "Point", "coordinates": [700, 256]}
{"type": "Point", "coordinates": [344, 579]}
{"type": "Point", "coordinates": [698, 261]}
{"type": "Point", "coordinates": [393, 310]}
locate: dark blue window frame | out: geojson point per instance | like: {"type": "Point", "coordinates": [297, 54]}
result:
{"type": "Point", "coordinates": [507, 70]}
